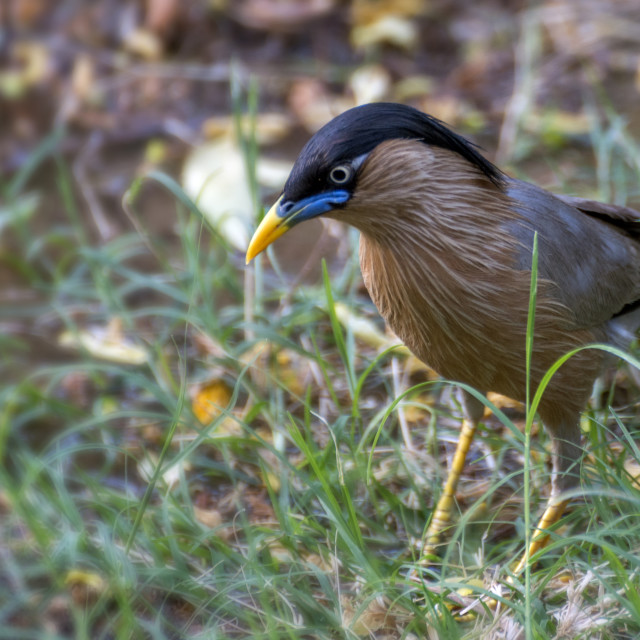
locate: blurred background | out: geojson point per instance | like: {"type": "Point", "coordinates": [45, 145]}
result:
{"type": "Point", "coordinates": [146, 373]}
{"type": "Point", "coordinates": [114, 89]}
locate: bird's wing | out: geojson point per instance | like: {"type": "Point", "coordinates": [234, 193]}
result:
{"type": "Point", "coordinates": [590, 250]}
{"type": "Point", "coordinates": [627, 321]}
{"type": "Point", "coordinates": [622, 217]}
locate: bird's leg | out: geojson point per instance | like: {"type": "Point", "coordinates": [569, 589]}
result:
{"type": "Point", "coordinates": [553, 512]}
{"type": "Point", "coordinates": [473, 410]}
{"type": "Point", "coordinates": [565, 454]}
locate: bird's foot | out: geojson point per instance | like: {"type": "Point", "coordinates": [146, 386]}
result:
{"type": "Point", "coordinates": [464, 598]}
{"type": "Point", "coordinates": [551, 515]}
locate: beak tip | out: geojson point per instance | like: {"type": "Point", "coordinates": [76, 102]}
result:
{"type": "Point", "coordinates": [271, 228]}
{"type": "Point", "coordinates": [251, 252]}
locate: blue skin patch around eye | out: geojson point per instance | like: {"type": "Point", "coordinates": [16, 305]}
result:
{"type": "Point", "coordinates": [307, 208]}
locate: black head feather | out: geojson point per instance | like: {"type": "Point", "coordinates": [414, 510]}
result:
{"type": "Point", "coordinates": [359, 130]}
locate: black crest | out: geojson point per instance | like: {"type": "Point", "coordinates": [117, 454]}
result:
{"type": "Point", "coordinates": [359, 130]}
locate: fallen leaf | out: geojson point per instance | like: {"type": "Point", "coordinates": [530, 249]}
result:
{"type": "Point", "coordinates": [171, 476]}
{"type": "Point", "coordinates": [280, 15]}
{"type": "Point", "coordinates": [143, 43]}
{"type": "Point", "coordinates": [368, 11]}
{"type": "Point", "coordinates": [269, 362]}
{"type": "Point", "coordinates": [268, 127]}
{"type": "Point", "coordinates": [365, 621]}
{"type": "Point", "coordinates": [106, 343]}
{"type": "Point", "coordinates": [162, 15]}
{"type": "Point", "coordinates": [211, 518]}
{"type": "Point", "coordinates": [83, 77]}
{"type": "Point", "coordinates": [24, 13]}
{"type": "Point", "coordinates": [209, 401]}
{"type": "Point", "coordinates": [369, 83]}
{"type": "Point", "coordinates": [412, 87]}
{"type": "Point", "coordinates": [313, 104]}
{"type": "Point", "coordinates": [85, 586]}
{"type": "Point", "coordinates": [390, 29]}
{"type": "Point", "coordinates": [32, 67]}
{"type": "Point", "coordinates": [362, 328]}
{"type": "Point", "coordinates": [632, 467]}
{"type": "Point", "coordinates": [503, 402]}
{"type": "Point", "coordinates": [215, 177]}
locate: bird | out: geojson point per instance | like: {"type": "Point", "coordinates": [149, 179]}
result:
{"type": "Point", "coordinates": [447, 253]}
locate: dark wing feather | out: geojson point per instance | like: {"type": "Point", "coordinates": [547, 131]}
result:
{"type": "Point", "coordinates": [624, 218]}
{"type": "Point", "coordinates": [593, 259]}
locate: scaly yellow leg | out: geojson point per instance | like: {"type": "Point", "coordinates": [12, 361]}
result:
{"type": "Point", "coordinates": [442, 514]}
{"type": "Point", "coordinates": [551, 515]}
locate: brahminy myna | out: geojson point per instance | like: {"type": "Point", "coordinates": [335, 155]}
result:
{"type": "Point", "coordinates": [446, 245]}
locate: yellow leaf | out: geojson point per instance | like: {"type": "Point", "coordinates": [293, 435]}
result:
{"type": "Point", "coordinates": [632, 467]}
{"type": "Point", "coordinates": [389, 29]}
{"type": "Point", "coordinates": [209, 401]}
{"type": "Point", "coordinates": [84, 586]}
{"type": "Point", "coordinates": [368, 11]}
{"type": "Point", "coordinates": [363, 621]}
{"type": "Point", "coordinates": [106, 343]}
{"type": "Point", "coordinates": [208, 517]}
{"type": "Point", "coordinates": [268, 127]}
{"type": "Point", "coordinates": [503, 402]}
{"type": "Point", "coordinates": [215, 174]}
{"type": "Point", "coordinates": [363, 328]}
{"type": "Point", "coordinates": [144, 43]}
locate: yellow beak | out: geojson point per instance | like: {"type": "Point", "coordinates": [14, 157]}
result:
{"type": "Point", "coordinates": [270, 229]}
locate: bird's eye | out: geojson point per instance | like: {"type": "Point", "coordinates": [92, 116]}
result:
{"type": "Point", "coordinates": [341, 174]}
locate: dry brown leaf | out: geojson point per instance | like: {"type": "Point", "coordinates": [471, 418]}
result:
{"type": "Point", "coordinates": [279, 15]}
{"type": "Point", "coordinates": [503, 402]}
{"type": "Point", "coordinates": [631, 465]}
{"type": "Point", "coordinates": [292, 371]}
{"type": "Point", "coordinates": [363, 622]}
{"type": "Point", "coordinates": [285, 365]}
{"type": "Point", "coordinates": [390, 29]}
{"type": "Point", "coordinates": [5, 502]}
{"type": "Point", "coordinates": [368, 11]}
{"type": "Point", "coordinates": [162, 15]}
{"type": "Point", "coordinates": [313, 105]}
{"type": "Point", "coordinates": [318, 561]}
{"type": "Point", "coordinates": [83, 77]}
{"type": "Point", "coordinates": [385, 22]}
{"type": "Point", "coordinates": [24, 13]}
{"type": "Point", "coordinates": [143, 43]}
{"type": "Point", "coordinates": [414, 414]}
{"type": "Point", "coordinates": [279, 552]}
{"type": "Point", "coordinates": [268, 127]}
{"type": "Point", "coordinates": [447, 108]}
{"type": "Point", "coordinates": [211, 518]}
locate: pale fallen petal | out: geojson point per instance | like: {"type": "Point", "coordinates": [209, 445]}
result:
{"type": "Point", "coordinates": [104, 343]}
